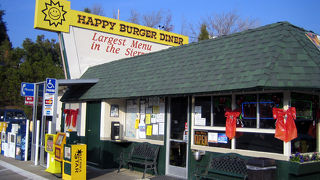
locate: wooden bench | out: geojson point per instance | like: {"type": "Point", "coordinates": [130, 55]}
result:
{"type": "Point", "coordinates": [143, 154]}
{"type": "Point", "coordinates": [223, 166]}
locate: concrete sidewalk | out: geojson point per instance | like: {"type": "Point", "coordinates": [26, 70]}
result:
{"type": "Point", "coordinates": [28, 170]}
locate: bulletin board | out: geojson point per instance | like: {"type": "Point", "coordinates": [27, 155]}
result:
{"type": "Point", "coordinates": [131, 116]}
{"type": "Point", "coordinates": [145, 118]}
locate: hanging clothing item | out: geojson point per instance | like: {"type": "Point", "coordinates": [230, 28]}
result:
{"type": "Point", "coordinates": [231, 123]}
{"type": "Point", "coordinates": [67, 112]}
{"type": "Point", "coordinates": [74, 117]}
{"type": "Point", "coordinates": [285, 126]}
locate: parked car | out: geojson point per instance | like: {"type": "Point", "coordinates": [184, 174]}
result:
{"type": "Point", "coordinates": [13, 116]}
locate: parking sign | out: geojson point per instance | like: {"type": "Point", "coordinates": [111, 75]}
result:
{"type": "Point", "coordinates": [50, 85]}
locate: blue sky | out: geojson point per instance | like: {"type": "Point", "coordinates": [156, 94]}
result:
{"type": "Point", "coordinates": [20, 13]}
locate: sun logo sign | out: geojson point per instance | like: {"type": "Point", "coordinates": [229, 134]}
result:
{"type": "Point", "coordinates": [54, 13]}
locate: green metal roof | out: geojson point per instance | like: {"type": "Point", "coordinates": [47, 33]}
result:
{"type": "Point", "coordinates": [275, 56]}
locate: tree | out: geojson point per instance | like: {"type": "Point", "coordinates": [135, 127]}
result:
{"type": "Point", "coordinates": [3, 29]}
{"type": "Point", "coordinates": [134, 17]}
{"type": "Point", "coordinates": [156, 19]}
{"type": "Point", "coordinates": [204, 34]}
{"type": "Point", "coordinates": [222, 24]}
{"type": "Point", "coordinates": [95, 9]}
{"type": "Point", "coordinates": [153, 19]}
{"type": "Point", "coordinates": [42, 59]}
{"type": "Point", "coordinates": [228, 23]}
{"type": "Point", "coordinates": [87, 10]}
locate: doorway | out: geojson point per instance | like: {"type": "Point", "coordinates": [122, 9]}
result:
{"type": "Point", "coordinates": [177, 137]}
{"type": "Point", "coordinates": [93, 132]}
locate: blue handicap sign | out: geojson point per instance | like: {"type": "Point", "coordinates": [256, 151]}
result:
{"type": "Point", "coordinates": [27, 89]}
{"type": "Point", "coordinates": [50, 85]}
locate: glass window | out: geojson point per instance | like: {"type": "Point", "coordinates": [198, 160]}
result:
{"type": "Point", "coordinates": [203, 109]}
{"type": "Point", "coordinates": [251, 107]}
{"type": "Point", "coordinates": [220, 105]}
{"type": "Point", "coordinates": [266, 103]}
{"type": "Point", "coordinates": [248, 106]}
{"type": "Point", "coordinates": [306, 108]}
{"type": "Point", "coordinates": [258, 142]}
{"type": "Point", "coordinates": [218, 139]}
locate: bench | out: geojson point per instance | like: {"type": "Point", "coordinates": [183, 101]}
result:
{"type": "Point", "coordinates": [223, 166]}
{"type": "Point", "coordinates": [143, 154]}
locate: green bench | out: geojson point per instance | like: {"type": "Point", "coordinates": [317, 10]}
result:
{"type": "Point", "coordinates": [223, 166]}
{"type": "Point", "coordinates": [144, 154]}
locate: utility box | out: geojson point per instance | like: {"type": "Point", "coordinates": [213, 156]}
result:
{"type": "Point", "coordinates": [75, 162]}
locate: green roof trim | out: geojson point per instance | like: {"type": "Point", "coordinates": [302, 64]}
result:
{"type": "Point", "coordinates": [278, 55]}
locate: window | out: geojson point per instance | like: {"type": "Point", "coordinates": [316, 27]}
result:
{"type": "Point", "coordinates": [306, 111]}
{"type": "Point", "coordinates": [256, 113]}
{"type": "Point", "coordinates": [203, 111]}
{"type": "Point", "coordinates": [210, 110]}
{"type": "Point", "coordinates": [256, 109]}
{"type": "Point", "coordinates": [258, 142]}
{"type": "Point", "coordinates": [220, 105]}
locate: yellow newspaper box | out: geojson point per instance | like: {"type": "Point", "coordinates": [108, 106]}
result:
{"type": "Point", "coordinates": [75, 162]}
{"type": "Point", "coordinates": [59, 143]}
{"type": "Point", "coordinates": [3, 128]}
{"type": "Point", "coordinates": [54, 166]}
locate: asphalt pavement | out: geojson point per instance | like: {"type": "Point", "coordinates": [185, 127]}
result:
{"type": "Point", "coordinates": [18, 170]}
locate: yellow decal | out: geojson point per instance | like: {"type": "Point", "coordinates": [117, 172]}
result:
{"type": "Point", "coordinates": [52, 15]}
{"type": "Point", "coordinates": [56, 15]}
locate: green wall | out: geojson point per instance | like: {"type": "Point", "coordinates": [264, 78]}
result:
{"type": "Point", "coordinates": [110, 153]}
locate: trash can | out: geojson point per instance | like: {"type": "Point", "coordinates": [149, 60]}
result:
{"type": "Point", "coordinates": [261, 168]}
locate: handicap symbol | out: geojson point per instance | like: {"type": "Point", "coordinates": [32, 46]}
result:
{"type": "Point", "coordinates": [50, 85]}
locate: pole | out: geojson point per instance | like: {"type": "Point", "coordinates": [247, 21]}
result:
{"type": "Point", "coordinates": [36, 159]}
{"type": "Point", "coordinates": [27, 141]}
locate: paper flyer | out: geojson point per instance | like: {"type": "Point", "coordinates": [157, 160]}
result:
{"type": "Point", "coordinates": [155, 129]}
{"type": "Point", "coordinates": [149, 130]}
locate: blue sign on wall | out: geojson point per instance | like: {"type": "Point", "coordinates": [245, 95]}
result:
{"type": "Point", "coordinates": [27, 89]}
{"type": "Point", "coordinates": [51, 85]}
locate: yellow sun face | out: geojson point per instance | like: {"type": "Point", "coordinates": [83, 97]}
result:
{"type": "Point", "coordinates": [54, 13]}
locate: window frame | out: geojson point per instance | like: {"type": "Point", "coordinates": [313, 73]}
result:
{"type": "Point", "coordinates": [286, 146]}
